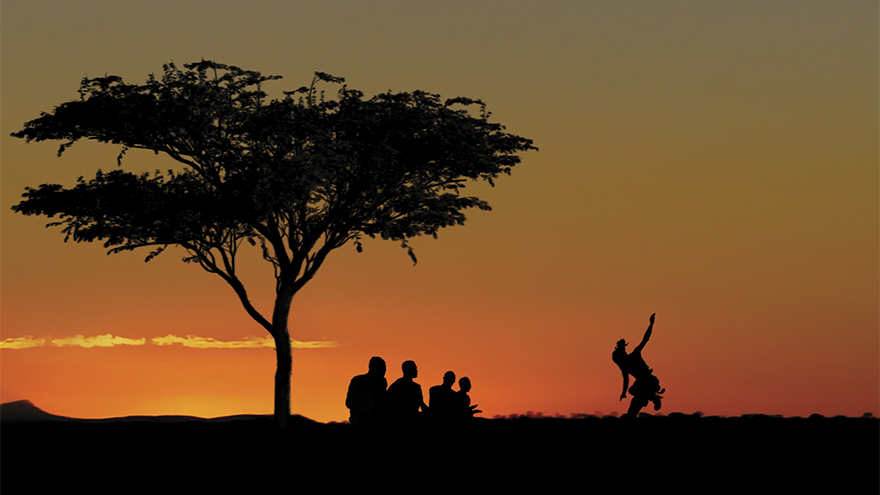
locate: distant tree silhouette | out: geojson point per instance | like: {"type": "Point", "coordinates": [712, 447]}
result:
{"type": "Point", "coordinates": [298, 176]}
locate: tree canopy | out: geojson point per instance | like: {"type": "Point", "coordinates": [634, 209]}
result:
{"type": "Point", "coordinates": [299, 176]}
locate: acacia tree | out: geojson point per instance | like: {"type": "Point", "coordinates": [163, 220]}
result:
{"type": "Point", "coordinates": [299, 176]}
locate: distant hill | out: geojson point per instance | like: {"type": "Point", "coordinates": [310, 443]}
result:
{"type": "Point", "coordinates": [22, 411]}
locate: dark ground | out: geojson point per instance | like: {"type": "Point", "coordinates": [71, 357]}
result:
{"type": "Point", "coordinates": [690, 454]}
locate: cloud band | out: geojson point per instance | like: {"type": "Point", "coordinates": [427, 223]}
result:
{"type": "Point", "coordinates": [22, 342]}
{"type": "Point", "coordinates": [107, 340]}
{"type": "Point", "coordinates": [192, 341]}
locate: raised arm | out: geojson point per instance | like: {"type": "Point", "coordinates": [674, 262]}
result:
{"type": "Point", "coordinates": [647, 335]}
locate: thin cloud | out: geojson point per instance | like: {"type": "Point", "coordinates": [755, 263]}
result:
{"type": "Point", "coordinates": [211, 343]}
{"type": "Point", "coordinates": [22, 342]}
{"type": "Point", "coordinates": [312, 344]}
{"type": "Point", "coordinates": [248, 343]}
{"type": "Point", "coordinates": [107, 340]}
{"type": "Point", "coordinates": [192, 341]}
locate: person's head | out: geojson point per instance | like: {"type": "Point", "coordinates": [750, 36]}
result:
{"type": "Point", "coordinates": [377, 366]}
{"type": "Point", "coordinates": [464, 384]}
{"type": "Point", "coordinates": [409, 369]}
{"type": "Point", "coordinates": [449, 379]}
{"type": "Point", "coordinates": [619, 352]}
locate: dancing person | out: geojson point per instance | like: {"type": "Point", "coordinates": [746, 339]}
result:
{"type": "Point", "coordinates": [646, 387]}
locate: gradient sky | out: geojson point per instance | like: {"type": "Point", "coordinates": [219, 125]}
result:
{"type": "Point", "coordinates": [713, 162]}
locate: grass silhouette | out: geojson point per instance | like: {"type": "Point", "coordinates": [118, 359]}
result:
{"type": "Point", "coordinates": [686, 453]}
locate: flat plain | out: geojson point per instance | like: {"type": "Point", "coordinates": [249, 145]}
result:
{"type": "Point", "coordinates": [686, 453]}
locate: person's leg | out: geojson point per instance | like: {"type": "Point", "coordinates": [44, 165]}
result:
{"type": "Point", "coordinates": [656, 401]}
{"type": "Point", "coordinates": [635, 406]}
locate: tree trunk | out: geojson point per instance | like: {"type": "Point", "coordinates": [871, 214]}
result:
{"type": "Point", "coordinates": [284, 360]}
{"type": "Point", "coordinates": [283, 357]}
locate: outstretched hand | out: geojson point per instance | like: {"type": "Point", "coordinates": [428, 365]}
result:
{"type": "Point", "coordinates": [652, 317]}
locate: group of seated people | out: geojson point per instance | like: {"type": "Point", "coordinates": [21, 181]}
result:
{"type": "Point", "coordinates": [372, 401]}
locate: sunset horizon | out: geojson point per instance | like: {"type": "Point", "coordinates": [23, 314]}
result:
{"type": "Point", "coordinates": [718, 165]}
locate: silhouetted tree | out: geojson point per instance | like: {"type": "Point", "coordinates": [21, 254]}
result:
{"type": "Point", "coordinates": [299, 176]}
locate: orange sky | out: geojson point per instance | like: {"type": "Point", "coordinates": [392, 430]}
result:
{"type": "Point", "coordinates": [716, 164]}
